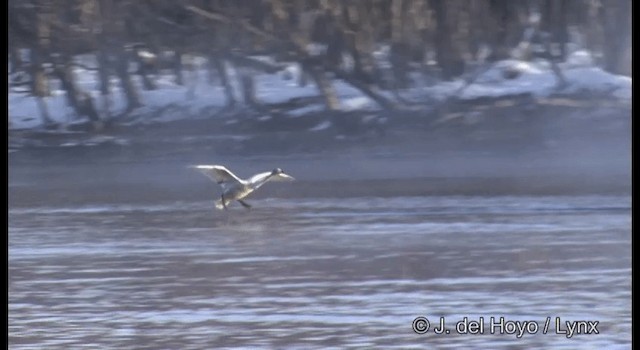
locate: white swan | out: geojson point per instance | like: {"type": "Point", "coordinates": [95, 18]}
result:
{"type": "Point", "coordinates": [235, 188]}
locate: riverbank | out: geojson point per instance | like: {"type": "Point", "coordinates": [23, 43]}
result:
{"type": "Point", "coordinates": [571, 154]}
{"type": "Point", "coordinates": [503, 144]}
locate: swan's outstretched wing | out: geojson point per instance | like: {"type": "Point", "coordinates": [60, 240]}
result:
{"type": "Point", "coordinates": [219, 174]}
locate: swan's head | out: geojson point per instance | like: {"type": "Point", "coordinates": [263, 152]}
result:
{"type": "Point", "coordinates": [279, 175]}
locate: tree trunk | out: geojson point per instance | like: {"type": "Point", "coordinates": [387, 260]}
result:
{"type": "Point", "coordinates": [144, 71]}
{"type": "Point", "coordinates": [399, 49]}
{"type": "Point", "coordinates": [212, 70]}
{"type": "Point", "coordinates": [104, 64]}
{"type": "Point", "coordinates": [224, 78]}
{"type": "Point", "coordinates": [248, 88]}
{"type": "Point", "coordinates": [335, 48]}
{"type": "Point", "coordinates": [81, 101]}
{"type": "Point", "coordinates": [130, 92]}
{"type": "Point", "coordinates": [554, 22]}
{"type": "Point", "coordinates": [40, 82]}
{"type": "Point", "coordinates": [44, 113]}
{"type": "Point", "coordinates": [40, 87]}
{"type": "Point", "coordinates": [357, 40]}
{"type": "Point", "coordinates": [562, 33]}
{"type": "Point", "coordinates": [302, 78]}
{"type": "Point", "coordinates": [192, 76]}
{"type": "Point", "coordinates": [501, 11]}
{"type": "Point", "coordinates": [103, 72]}
{"type": "Point", "coordinates": [325, 87]}
{"type": "Point", "coordinates": [593, 27]}
{"type": "Point", "coordinates": [364, 44]}
{"type": "Point", "coordinates": [177, 67]}
{"type": "Point", "coordinates": [65, 74]}
{"type": "Point", "coordinates": [617, 27]}
{"type": "Point", "coordinates": [449, 59]}
{"type": "Point", "coordinates": [15, 59]}
{"type": "Point", "coordinates": [112, 24]}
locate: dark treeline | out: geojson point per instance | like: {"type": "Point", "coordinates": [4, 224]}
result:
{"type": "Point", "coordinates": [166, 35]}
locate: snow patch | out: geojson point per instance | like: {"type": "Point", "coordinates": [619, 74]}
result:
{"type": "Point", "coordinates": [355, 103]}
{"type": "Point", "coordinates": [578, 58]}
{"type": "Point", "coordinates": [198, 98]}
{"type": "Point", "coordinates": [322, 126]}
{"type": "Point", "coordinates": [302, 111]}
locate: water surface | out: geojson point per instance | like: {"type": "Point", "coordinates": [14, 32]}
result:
{"type": "Point", "coordinates": [313, 272]}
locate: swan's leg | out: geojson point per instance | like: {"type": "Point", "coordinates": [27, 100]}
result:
{"type": "Point", "coordinates": [224, 205]}
{"type": "Point", "coordinates": [244, 204]}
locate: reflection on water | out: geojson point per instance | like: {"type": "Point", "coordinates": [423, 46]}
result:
{"type": "Point", "coordinates": [318, 273]}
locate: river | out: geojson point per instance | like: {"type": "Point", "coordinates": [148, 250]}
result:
{"type": "Point", "coordinates": [132, 255]}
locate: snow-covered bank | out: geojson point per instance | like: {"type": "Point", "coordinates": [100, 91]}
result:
{"type": "Point", "coordinates": [199, 99]}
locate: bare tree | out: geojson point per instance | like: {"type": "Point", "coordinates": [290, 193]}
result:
{"type": "Point", "coordinates": [348, 34]}
{"type": "Point", "coordinates": [114, 26]}
{"type": "Point", "coordinates": [617, 30]}
{"type": "Point", "coordinates": [449, 60]}
{"type": "Point", "coordinates": [40, 49]}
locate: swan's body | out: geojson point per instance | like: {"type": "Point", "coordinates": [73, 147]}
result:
{"type": "Point", "coordinates": [235, 188]}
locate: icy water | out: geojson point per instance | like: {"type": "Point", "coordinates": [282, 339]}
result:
{"type": "Point", "coordinates": [326, 272]}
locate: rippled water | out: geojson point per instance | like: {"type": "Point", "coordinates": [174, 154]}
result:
{"type": "Point", "coordinates": [319, 273]}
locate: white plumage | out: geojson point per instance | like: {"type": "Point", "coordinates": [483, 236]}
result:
{"type": "Point", "coordinates": [235, 188]}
